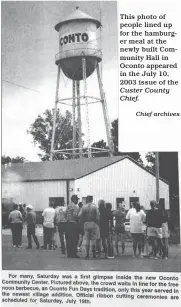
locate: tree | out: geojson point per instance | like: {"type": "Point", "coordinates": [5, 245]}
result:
{"type": "Point", "coordinates": [18, 160]}
{"type": "Point", "coordinates": [168, 170]}
{"type": "Point", "coordinates": [114, 132]}
{"type": "Point", "coordinates": [41, 131]}
{"type": "Point", "coordinates": [100, 144]}
{"type": "Point", "coordinates": [150, 157]}
{"type": "Point", "coordinates": [7, 159]}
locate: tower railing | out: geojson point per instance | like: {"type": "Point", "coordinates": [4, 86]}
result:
{"type": "Point", "coordinates": [78, 52]}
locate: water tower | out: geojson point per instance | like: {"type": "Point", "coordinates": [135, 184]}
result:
{"type": "Point", "coordinates": [79, 56]}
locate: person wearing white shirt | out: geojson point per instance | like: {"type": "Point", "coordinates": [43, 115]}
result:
{"type": "Point", "coordinates": [48, 225]}
{"type": "Point", "coordinates": [136, 217]}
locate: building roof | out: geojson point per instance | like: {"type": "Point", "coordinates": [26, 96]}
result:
{"type": "Point", "coordinates": [60, 169]}
{"type": "Point", "coordinates": [77, 15]}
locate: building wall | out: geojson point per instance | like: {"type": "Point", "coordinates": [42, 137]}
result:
{"type": "Point", "coordinates": [35, 193]}
{"type": "Point", "coordinates": [123, 179]}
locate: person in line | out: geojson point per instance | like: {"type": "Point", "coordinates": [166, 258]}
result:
{"type": "Point", "coordinates": [71, 216]}
{"type": "Point", "coordinates": [30, 219]}
{"type": "Point", "coordinates": [120, 227]}
{"type": "Point", "coordinates": [22, 210]}
{"type": "Point", "coordinates": [165, 230]}
{"type": "Point", "coordinates": [136, 217]}
{"type": "Point", "coordinates": [145, 246]}
{"type": "Point", "coordinates": [110, 235]}
{"type": "Point", "coordinates": [80, 230]}
{"type": "Point", "coordinates": [16, 221]}
{"type": "Point", "coordinates": [23, 213]}
{"type": "Point", "coordinates": [154, 220]}
{"type": "Point", "coordinates": [89, 216]}
{"type": "Point", "coordinates": [60, 221]}
{"type": "Point", "coordinates": [48, 225]}
{"type": "Point", "coordinates": [99, 248]}
{"type": "Point", "coordinates": [55, 232]}
{"type": "Point", "coordinates": [54, 237]}
{"type": "Point", "coordinates": [5, 214]}
{"type": "Point", "coordinates": [104, 226]}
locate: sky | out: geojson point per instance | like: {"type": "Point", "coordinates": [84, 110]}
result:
{"type": "Point", "coordinates": [29, 45]}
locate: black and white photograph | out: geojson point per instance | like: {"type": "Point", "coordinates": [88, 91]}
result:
{"type": "Point", "coordinates": [71, 201]}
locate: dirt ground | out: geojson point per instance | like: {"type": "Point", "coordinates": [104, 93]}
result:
{"type": "Point", "coordinates": [23, 259]}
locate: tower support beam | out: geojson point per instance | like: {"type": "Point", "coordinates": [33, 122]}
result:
{"type": "Point", "coordinates": [157, 177]}
{"type": "Point", "coordinates": [105, 113]}
{"type": "Point", "coordinates": [86, 106]}
{"type": "Point", "coordinates": [55, 113]}
{"type": "Point", "coordinates": [79, 118]}
{"type": "Point", "coordinates": [73, 119]}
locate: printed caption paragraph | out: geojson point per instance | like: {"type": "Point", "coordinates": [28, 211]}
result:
{"type": "Point", "coordinates": [85, 288]}
{"type": "Point", "coordinates": [148, 52]}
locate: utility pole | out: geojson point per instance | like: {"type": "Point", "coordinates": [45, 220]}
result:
{"type": "Point", "coordinates": [157, 177]}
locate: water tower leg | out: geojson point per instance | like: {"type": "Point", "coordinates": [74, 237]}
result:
{"type": "Point", "coordinates": [79, 118]}
{"type": "Point", "coordinates": [157, 177]}
{"type": "Point", "coordinates": [73, 119]}
{"type": "Point", "coordinates": [105, 113]}
{"type": "Point", "coordinates": [86, 107]}
{"type": "Point", "coordinates": [55, 113]}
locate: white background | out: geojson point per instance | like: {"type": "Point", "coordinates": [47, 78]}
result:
{"type": "Point", "coordinates": [155, 133]}
{"type": "Point", "coordinates": [96, 301]}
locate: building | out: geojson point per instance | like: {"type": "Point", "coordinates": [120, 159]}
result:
{"type": "Point", "coordinates": [114, 179]}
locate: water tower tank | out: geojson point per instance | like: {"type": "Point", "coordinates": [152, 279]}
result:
{"type": "Point", "coordinates": [78, 38]}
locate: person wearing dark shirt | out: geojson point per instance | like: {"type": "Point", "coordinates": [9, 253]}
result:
{"type": "Point", "coordinates": [145, 246]}
{"type": "Point", "coordinates": [80, 230]}
{"type": "Point", "coordinates": [22, 210]}
{"type": "Point", "coordinates": [104, 225]}
{"type": "Point", "coordinates": [111, 226]}
{"type": "Point", "coordinates": [120, 227]}
{"type": "Point", "coordinates": [31, 221]}
{"type": "Point", "coordinates": [71, 216]}
{"type": "Point", "coordinates": [165, 230]}
{"type": "Point", "coordinates": [60, 222]}
{"type": "Point", "coordinates": [154, 220]}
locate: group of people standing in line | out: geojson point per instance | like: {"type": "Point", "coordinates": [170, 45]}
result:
{"type": "Point", "coordinates": [16, 218]}
{"type": "Point", "coordinates": [98, 225]}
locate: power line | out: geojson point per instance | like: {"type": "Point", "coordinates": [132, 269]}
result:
{"type": "Point", "coordinates": [26, 88]}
